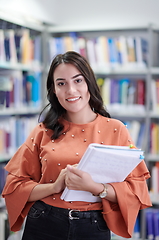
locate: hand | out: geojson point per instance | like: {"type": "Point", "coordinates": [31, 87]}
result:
{"type": "Point", "coordinates": [76, 179]}
{"type": "Point", "coordinates": [59, 184]}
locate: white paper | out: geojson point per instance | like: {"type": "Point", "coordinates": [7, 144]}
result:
{"type": "Point", "coordinates": [105, 164]}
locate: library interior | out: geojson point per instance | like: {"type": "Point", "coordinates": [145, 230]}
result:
{"type": "Point", "coordinates": [120, 40]}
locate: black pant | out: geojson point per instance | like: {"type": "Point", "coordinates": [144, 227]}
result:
{"type": "Point", "coordinates": [45, 222]}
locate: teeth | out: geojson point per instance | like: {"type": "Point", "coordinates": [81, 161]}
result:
{"type": "Point", "coordinates": [72, 99]}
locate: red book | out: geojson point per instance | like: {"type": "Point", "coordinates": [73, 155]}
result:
{"type": "Point", "coordinates": [140, 92]}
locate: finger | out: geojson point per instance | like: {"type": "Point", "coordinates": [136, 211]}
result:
{"type": "Point", "coordinates": [74, 170]}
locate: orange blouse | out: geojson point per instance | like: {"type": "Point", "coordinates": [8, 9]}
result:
{"type": "Point", "coordinates": [40, 160]}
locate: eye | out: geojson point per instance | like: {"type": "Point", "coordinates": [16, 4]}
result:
{"type": "Point", "coordinates": [78, 80]}
{"type": "Point", "coordinates": [61, 84]}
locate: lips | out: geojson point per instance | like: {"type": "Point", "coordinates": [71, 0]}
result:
{"type": "Point", "coordinates": [72, 99]}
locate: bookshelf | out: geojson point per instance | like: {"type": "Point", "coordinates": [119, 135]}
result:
{"type": "Point", "coordinates": [21, 84]}
{"type": "Point", "coordinates": [116, 55]}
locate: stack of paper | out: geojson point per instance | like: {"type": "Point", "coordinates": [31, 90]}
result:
{"type": "Point", "coordinates": [106, 164]}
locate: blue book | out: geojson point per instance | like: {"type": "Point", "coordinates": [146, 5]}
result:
{"type": "Point", "coordinates": [123, 91]}
{"type": "Point", "coordinates": [17, 38]}
{"type": "Point", "coordinates": [113, 58]}
{"type": "Point", "coordinates": [156, 223]}
{"type": "Point", "coordinates": [136, 233]}
{"type": "Point", "coordinates": [37, 49]}
{"type": "Point", "coordinates": [145, 51]}
{"type": "Point", "coordinates": [59, 45]}
{"type": "Point", "coordinates": [7, 47]}
{"type": "Point", "coordinates": [149, 224]}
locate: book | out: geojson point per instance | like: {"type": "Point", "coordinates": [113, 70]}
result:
{"type": "Point", "coordinates": [105, 91]}
{"type": "Point", "coordinates": [81, 45]}
{"type": "Point", "coordinates": [140, 91]}
{"type": "Point", "coordinates": [155, 179]}
{"type": "Point", "coordinates": [138, 51]}
{"type": "Point", "coordinates": [4, 225]}
{"type": "Point", "coordinates": [152, 223]}
{"type": "Point", "coordinates": [149, 224]}
{"type": "Point", "coordinates": [122, 47]}
{"type": "Point", "coordinates": [137, 228]}
{"type": "Point", "coordinates": [156, 223]}
{"type": "Point", "coordinates": [101, 51]}
{"type": "Point", "coordinates": [13, 52]}
{"type": "Point", "coordinates": [145, 50]}
{"type": "Point", "coordinates": [2, 47]}
{"type": "Point", "coordinates": [113, 55]}
{"type": "Point", "coordinates": [131, 49]}
{"type": "Point", "coordinates": [90, 44]}
{"type": "Point", "coordinates": [106, 164]}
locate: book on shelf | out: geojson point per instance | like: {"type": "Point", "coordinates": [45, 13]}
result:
{"type": "Point", "coordinates": [140, 92]}
{"type": "Point", "coordinates": [119, 94]}
{"type": "Point", "coordinates": [137, 131]}
{"type": "Point", "coordinates": [90, 44]}
{"type": "Point", "coordinates": [102, 52]}
{"type": "Point", "coordinates": [2, 47]}
{"type": "Point", "coordinates": [123, 91]}
{"type": "Point", "coordinates": [68, 43]}
{"type": "Point", "coordinates": [145, 50]}
{"type": "Point", "coordinates": [154, 182]}
{"type": "Point", "coordinates": [105, 163]}
{"type": "Point", "coordinates": [105, 91]}
{"type": "Point", "coordinates": [152, 223]}
{"type": "Point", "coordinates": [122, 47]}
{"type": "Point", "coordinates": [13, 132]}
{"type": "Point", "coordinates": [3, 175]}
{"type": "Point", "coordinates": [138, 52]}
{"type": "Point", "coordinates": [131, 50]}
{"type": "Point", "coordinates": [113, 58]}
{"type": "Point", "coordinates": [137, 228]}
{"type": "Point", "coordinates": [141, 136]}
{"type": "Point", "coordinates": [17, 46]}
{"type": "Point", "coordinates": [154, 138]}
{"type": "Point", "coordinates": [20, 90]}
{"type": "Point", "coordinates": [155, 95]}
{"type": "Point", "coordinates": [154, 102]}
{"type": "Point", "coordinates": [135, 128]}
{"type": "Point", "coordinates": [81, 44]}
{"type": "Point", "coordinates": [4, 225]}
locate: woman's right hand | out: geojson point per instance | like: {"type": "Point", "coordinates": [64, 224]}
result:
{"type": "Point", "coordinates": [59, 184]}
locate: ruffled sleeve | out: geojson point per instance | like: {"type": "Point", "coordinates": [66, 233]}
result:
{"type": "Point", "coordinates": [24, 173]}
{"type": "Point", "coordinates": [132, 195]}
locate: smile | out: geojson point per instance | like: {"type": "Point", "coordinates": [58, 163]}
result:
{"type": "Point", "coordinates": [72, 99]}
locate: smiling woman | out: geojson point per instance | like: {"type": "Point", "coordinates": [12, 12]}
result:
{"type": "Point", "coordinates": [70, 76]}
{"type": "Point", "coordinates": [46, 163]}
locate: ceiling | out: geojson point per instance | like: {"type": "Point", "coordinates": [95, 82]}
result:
{"type": "Point", "coordinates": [86, 14]}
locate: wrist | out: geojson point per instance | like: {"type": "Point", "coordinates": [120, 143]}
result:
{"type": "Point", "coordinates": [98, 188]}
{"type": "Point", "coordinates": [104, 192]}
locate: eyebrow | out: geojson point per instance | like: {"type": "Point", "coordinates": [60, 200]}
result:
{"type": "Point", "coordinates": [59, 79]}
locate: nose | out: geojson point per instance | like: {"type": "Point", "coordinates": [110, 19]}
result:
{"type": "Point", "coordinates": [71, 88]}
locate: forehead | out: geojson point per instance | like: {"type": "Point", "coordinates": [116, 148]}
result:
{"type": "Point", "coordinates": [66, 70]}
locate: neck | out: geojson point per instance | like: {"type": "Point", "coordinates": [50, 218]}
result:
{"type": "Point", "coordinates": [79, 118]}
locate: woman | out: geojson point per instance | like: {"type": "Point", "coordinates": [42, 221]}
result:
{"type": "Point", "coordinates": [46, 163]}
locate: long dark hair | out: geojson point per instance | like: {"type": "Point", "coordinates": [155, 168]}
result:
{"type": "Point", "coordinates": [56, 111]}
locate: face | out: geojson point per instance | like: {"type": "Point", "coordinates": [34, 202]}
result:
{"type": "Point", "coordinates": [71, 89]}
